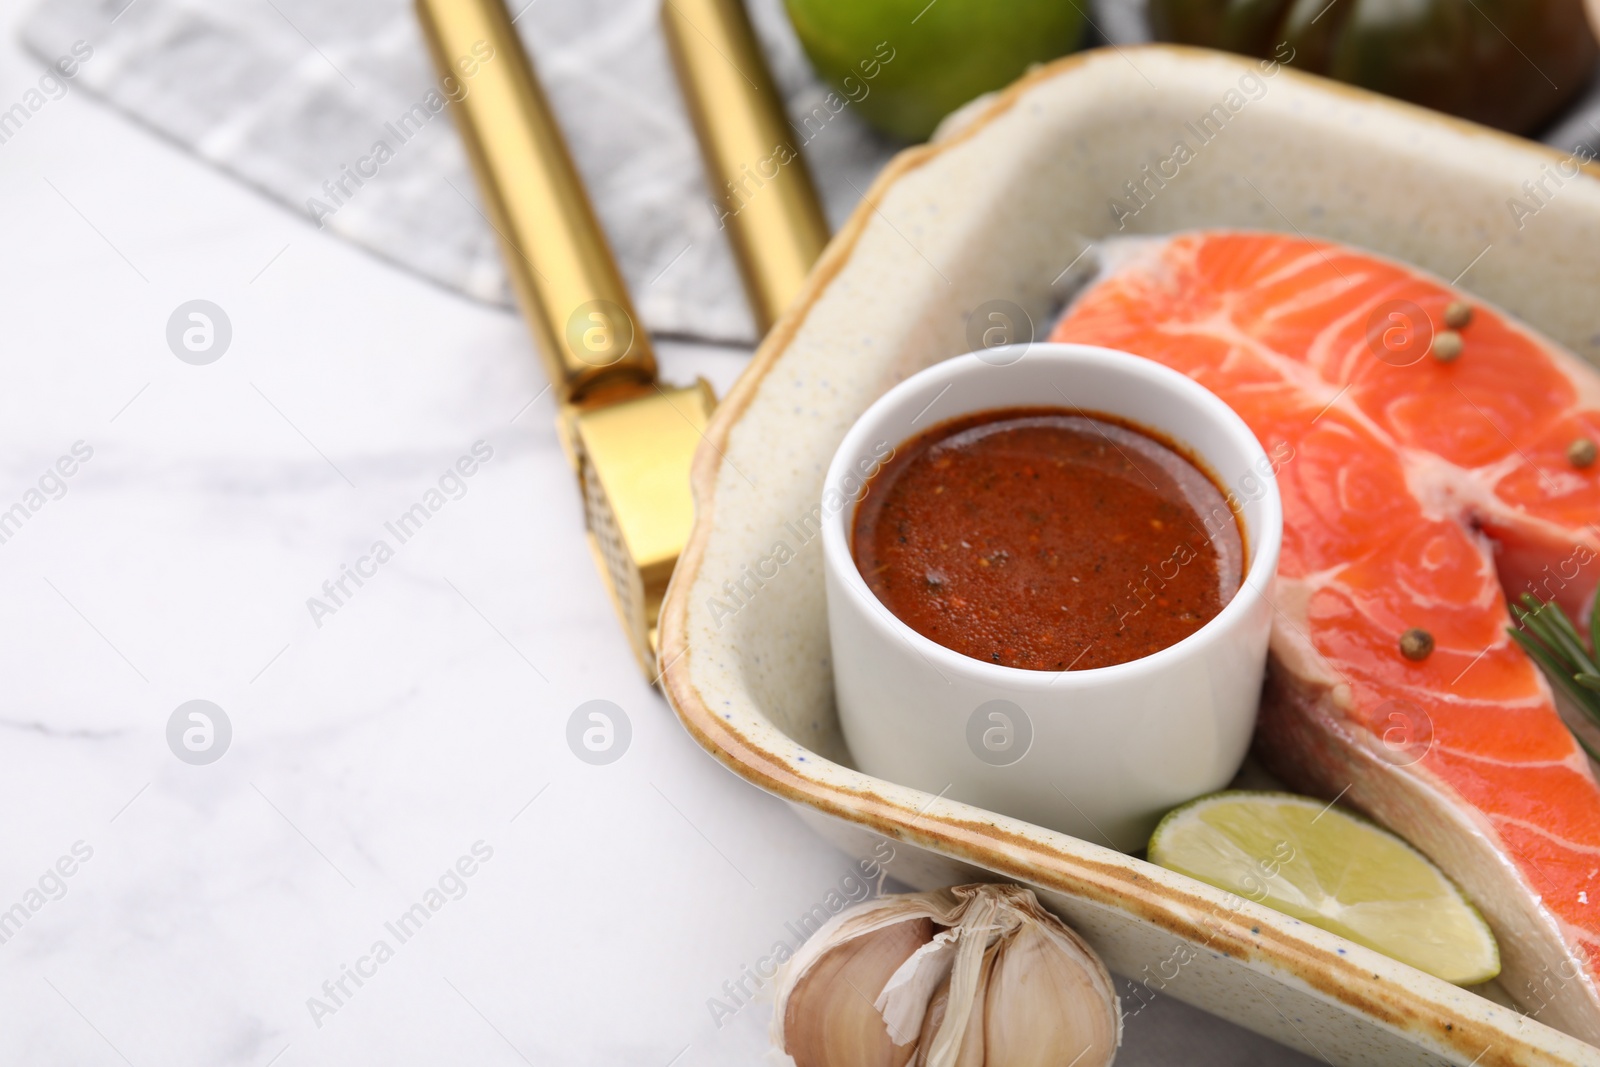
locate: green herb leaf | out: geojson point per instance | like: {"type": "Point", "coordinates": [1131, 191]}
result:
{"type": "Point", "coordinates": [1545, 632]}
{"type": "Point", "coordinates": [1594, 622]}
{"type": "Point", "coordinates": [1557, 631]}
{"type": "Point", "coordinates": [1561, 677]}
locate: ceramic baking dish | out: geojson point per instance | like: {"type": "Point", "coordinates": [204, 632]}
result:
{"type": "Point", "coordinates": [998, 208]}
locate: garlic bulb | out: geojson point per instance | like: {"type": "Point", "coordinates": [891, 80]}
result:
{"type": "Point", "coordinates": [971, 976]}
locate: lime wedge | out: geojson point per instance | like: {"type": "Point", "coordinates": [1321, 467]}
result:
{"type": "Point", "coordinates": [1331, 869]}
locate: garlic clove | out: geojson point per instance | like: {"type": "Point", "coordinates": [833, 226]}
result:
{"type": "Point", "coordinates": [969, 1050]}
{"type": "Point", "coordinates": [938, 1005]}
{"type": "Point", "coordinates": [1049, 1001]}
{"type": "Point", "coordinates": [979, 921]}
{"type": "Point", "coordinates": [828, 1016]}
{"type": "Point", "coordinates": [863, 919]}
{"type": "Point", "coordinates": [907, 995]}
{"type": "Point", "coordinates": [970, 976]}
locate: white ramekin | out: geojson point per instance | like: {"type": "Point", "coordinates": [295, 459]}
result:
{"type": "Point", "coordinates": [1098, 753]}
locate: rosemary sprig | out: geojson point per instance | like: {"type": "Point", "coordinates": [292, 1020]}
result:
{"type": "Point", "coordinates": [1544, 630]}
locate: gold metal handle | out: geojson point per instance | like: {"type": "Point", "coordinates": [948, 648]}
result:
{"type": "Point", "coordinates": [631, 440]}
{"type": "Point", "coordinates": [767, 201]}
{"type": "Point", "coordinates": [560, 266]}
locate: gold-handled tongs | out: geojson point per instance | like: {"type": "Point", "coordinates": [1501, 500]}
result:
{"type": "Point", "coordinates": [630, 437]}
{"type": "Point", "coordinates": [765, 199]}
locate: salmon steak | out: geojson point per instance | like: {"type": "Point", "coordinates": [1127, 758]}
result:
{"type": "Point", "coordinates": [1427, 474]}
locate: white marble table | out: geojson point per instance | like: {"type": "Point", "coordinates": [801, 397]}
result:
{"type": "Point", "coordinates": [417, 727]}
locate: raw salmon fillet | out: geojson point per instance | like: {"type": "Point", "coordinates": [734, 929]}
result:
{"type": "Point", "coordinates": [1415, 494]}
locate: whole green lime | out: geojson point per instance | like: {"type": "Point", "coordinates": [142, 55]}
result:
{"type": "Point", "coordinates": [905, 64]}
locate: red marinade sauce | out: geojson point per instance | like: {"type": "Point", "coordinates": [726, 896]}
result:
{"type": "Point", "coordinates": [1047, 539]}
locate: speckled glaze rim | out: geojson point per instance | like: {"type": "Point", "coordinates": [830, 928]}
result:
{"type": "Point", "coordinates": [1386, 992]}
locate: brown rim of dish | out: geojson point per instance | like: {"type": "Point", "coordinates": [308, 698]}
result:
{"type": "Point", "coordinates": [1202, 914]}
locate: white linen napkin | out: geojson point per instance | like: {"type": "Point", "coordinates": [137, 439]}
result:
{"type": "Point", "coordinates": [295, 97]}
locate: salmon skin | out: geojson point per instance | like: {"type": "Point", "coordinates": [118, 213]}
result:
{"type": "Point", "coordinates": [1417, 492]}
